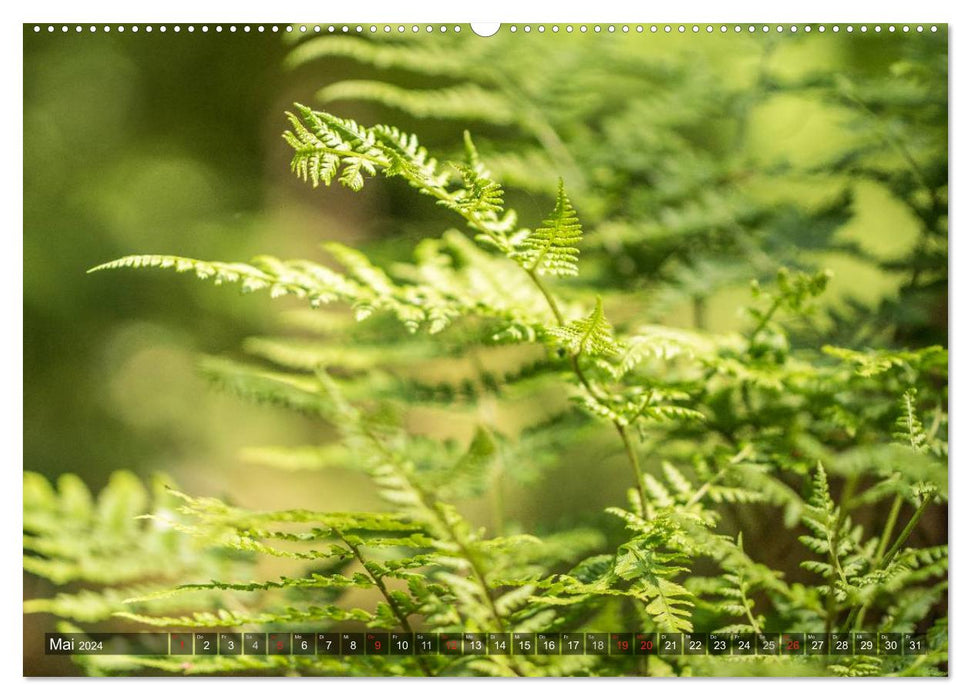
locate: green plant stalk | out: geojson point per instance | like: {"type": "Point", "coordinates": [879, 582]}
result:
{"type": "Point", "coordinates": [888, 528]}
{"type": "Point", "coordinates": [742, 454]}
{"type": "Point", "coordinates": [846, 497]}
{"type": "Point", "coordinates": [764, 321]}
{"type": "Point", "coordinates": [634, 465]}
{"type": "Point", "coordinates": [908, 528]}
{"type": "Point", "coordinates": [856, 618]}
{"type": "Point", "coordinates": [484, 591]}
{"type": "Point", "coordinates": [578, 371]}
{"type": "Point", "coordinates": [748, 609]}
{"type": "Point", "coordinates": [379, 583]}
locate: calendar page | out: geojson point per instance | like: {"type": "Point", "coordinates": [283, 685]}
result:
{"type": "Point", "coordinates": [485, 350]}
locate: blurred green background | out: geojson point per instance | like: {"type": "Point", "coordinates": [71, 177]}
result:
{"type": "Point", "coordinates": [148, 142]}
{"type": "Point", "coordinates": [169, 143]}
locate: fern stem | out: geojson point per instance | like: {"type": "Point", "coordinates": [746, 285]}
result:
{"type": "Point", "coordinates": [905, 533]}
{"type": "Point", "coordinates": [480, 579]}
{"type": "Point", "coordinates": [743, 589]}
{"type": "Point", "coordinates": [742, 454]}
{"type": "Point", "coordinates": [888, 528]}
{"type": "Point", "coordinates": [764, 321]}
{"type": "Point", "coordinates": [856, 617]}
{"type": "Point", "coordinates": [550, 300]}
{"type": "Point", "coordinates": [578, 371]}
{"type": "Point", "coordinates": [379, 583]}
{"type": "Point", "coordinates": [635, 466]}
{"type": "Point", "coordinates": [435, 512]}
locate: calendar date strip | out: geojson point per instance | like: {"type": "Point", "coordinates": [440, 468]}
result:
{"type": "Point", "coordinates": [492, 643]}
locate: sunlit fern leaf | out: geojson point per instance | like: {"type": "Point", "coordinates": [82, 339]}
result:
{"type": "Point", "coordinates": [833, 538]}
{"type": "Point", "coordinates": [297, 278]}
{"type": "Point", "coordinates": [368, 288]}
{"type": "Point", "coordinates": [528, 169]}
{"type": "Point", "coordinates": [552, 248]}
{"type": "Point", "coordinates": [909, 428]}
{"type": "Point", "coordinates": [481, 195]}
{"type": "Point", "coordinates": [592, 336]}
{"type": "Point", "coordinates": [408, 156]}
{"type": "Point", "coordinates": [669, 603]}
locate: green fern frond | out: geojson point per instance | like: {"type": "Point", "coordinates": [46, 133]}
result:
{"type": "Point", "coordinates": [834, 539]}
{"type": "Point", "coordinates": [909, 428]}
{"type": "Point", "coordinates": [640, 405]}
{"type": "Point", "coordinates": [857, 667]}
{"type": "Point", "coordinates": [670, 604]}
{"type": "Point", "coordinates": [326, 147]}
{"type": "Point", "coordinates": [552, 248]}
{"type": "Point", "coordinates": [481, 195]}
{"type": "Point", "coordinates": [298, 278]}
{"type": "Point", "coordinates": [592, 336]}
